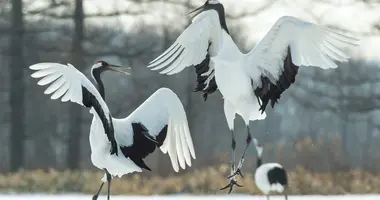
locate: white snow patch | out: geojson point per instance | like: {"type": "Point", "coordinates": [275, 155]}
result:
{"type": "Point", "coordinates": [186, 197]}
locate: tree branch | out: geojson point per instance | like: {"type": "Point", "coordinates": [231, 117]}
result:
{"type": "Point", "coordinates": [348, 103]}
{"type": "Point", "coordinates": [117, 13]}
{"type": "Point", "coordinates": [45, 9]}
{"type": "Point", "coordinates": [49, 47]}
{"type": "Point", "coordinates": [310, 105]}
{"type": "Point", "coordinates": [250, 13]}
{"type": "Point", "coordinates": [69, 16]}
{"type": "Point", "coordinates": [115, 52]}
{"type": "Point", "coordinates": [244, 14]}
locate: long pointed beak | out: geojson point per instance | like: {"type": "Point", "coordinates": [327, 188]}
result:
{"type": "Point", "coordinates": [198, 10]}
{"type": "Point", "coordinates": [117, 69]}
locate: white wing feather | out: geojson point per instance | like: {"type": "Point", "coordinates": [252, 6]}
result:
{"type": "Point", "coordinates": [310, 45]}
{"type": "Point", "coordinates": [66, 82]}
{"type": "Point", "coordinates": [162, 108]}
{"type": "Point", "coordinates": [191, 46]}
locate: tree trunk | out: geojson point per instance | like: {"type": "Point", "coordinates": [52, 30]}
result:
{"type": "Point", "coordinates": [366, 157]}
{"type": "Point", "coordinates": [17, 95]}
{"type": "Point", "coordinates": [189, 88]}
{"type": "Point", "coordinates": [162, 160]}
{"type": "Point", "coordinates": [344, 121]}
{"type": "Point", "coordinates": [75, 116]}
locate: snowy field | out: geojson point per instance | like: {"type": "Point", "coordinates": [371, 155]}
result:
{"type": "Point", "coordinates": [186, 197]}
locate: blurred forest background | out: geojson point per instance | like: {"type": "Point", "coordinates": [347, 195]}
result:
{"type": "Point", "coordinates": [328, 121]}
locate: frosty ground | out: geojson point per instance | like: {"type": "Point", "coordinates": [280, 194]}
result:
{"type": "Point", "coordinates": [184, 197]}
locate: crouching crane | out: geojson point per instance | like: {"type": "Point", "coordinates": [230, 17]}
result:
{"type": "Point", "coordinates": [270, 177]}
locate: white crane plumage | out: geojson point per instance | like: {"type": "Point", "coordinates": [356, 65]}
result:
{"type": "Point", "coordinates": [270, 177]}
{"type": "Point", "coordinates": [249, 81]}
{"type": "Point", "coordinates": [159, 122]}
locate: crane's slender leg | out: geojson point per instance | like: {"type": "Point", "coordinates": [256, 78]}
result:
{"type": "Point", "coordinates": [267, 196]}
{"type": "Point", "coordinates": [233, 146]}
{"type": "Point", "coordinates": [95, 197]}
{"type": "Point", "coordinates": [286, 192]}
{"type": "Point", "coordinates": [109, 178]}
{"type": "Point", "coordinates": [232, 179]}
{"type": "Point", "coordinates": [240, 165]}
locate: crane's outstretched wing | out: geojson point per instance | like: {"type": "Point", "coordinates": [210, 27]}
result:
{"type": "Point", "coordinates": [273, 64]}
{"type": "Point", "coordinates": [200, 40]}
{"type": "Point", "coordinates": [70, 84]}
{"type": "Point", "coordinates": [158, 122]}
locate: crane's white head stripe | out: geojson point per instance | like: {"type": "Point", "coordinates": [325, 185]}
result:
{"type": "Point", "coordinates": [97, 65]}
{"type": "Point", "coordinates": [213, 2]}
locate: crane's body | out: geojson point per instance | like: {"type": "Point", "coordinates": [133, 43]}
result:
{"type": "Point", "coordinates": [234, 83]}
{"type": "Point", "coordinates": [269, 177]}
{"type": "Point", "coordinates": [248, 82]}
{"type": "Point", "coordinates": [100, 156]}
{"type": "Point", "coordinates": [118, 146]}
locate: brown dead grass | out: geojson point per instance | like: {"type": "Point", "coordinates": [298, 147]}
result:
{"type": "Point", "coordinates": [303, 179]}
{"type": "Point", "coordinates": [204, 181]}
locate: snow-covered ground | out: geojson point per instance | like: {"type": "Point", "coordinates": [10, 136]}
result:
{"type": "Point", "coordinates": [187, 197]}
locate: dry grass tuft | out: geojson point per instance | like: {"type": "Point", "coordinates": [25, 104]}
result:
{"type": "Point", "coordinates": [203, 181]}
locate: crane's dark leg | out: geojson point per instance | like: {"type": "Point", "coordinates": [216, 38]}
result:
{"type": "Point", "coordinates": [109, 178]}
{"type": "Point", "coordinates": [108, 175]}
{"type": "Point", "coordinates": [95, 197]}
{"type": "Point", "coordinates": [240, 165]}
{"type": "Point", "coordinates": [232, 179]}
{"type": "Point", "coordinates": [267, 196]}
{"type": "Point", "coordinates": [286, 192]}
{"type": "Point", "coordinates": [233, 146]}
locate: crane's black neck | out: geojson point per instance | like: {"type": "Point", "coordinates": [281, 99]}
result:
{"type": "Point", "coordinates": [96, 74]}
{"type": "Point", "coordinates": [220, 10]}
{"type": "Point", "coordinates": [222, 16]}
{"type": "Point", "coordinates": [259, 161]}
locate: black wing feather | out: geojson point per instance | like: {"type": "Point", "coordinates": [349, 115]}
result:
{"type": "Point", "coordinates": [201, 68]}
{"type": "Point", "coordinates": [272, 91]}
{"type": "Point", "coordinates": [143, 144]}
{"type": "Point", "coordinates": [277, 175]}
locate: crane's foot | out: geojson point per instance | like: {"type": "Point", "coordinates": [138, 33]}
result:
{"type": "Point", "coordinates": [95, 197]}
{"type": "Point", "coordinates": [231, 185]}
{"type": "Point", "coordinates": [237, 171]}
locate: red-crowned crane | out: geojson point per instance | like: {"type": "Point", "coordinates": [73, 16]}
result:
{"type": "Point", "coordinates": [118, 146]}
{"type": "Point", "coordinates": [269, 177]}
{"type": "Point", "coordinates": [249, 81]}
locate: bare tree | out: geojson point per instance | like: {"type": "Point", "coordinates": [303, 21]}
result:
{"type": "Point", "coordinates": [17, 91]}
{"type": "Point", "coordinates": [75, 114]}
